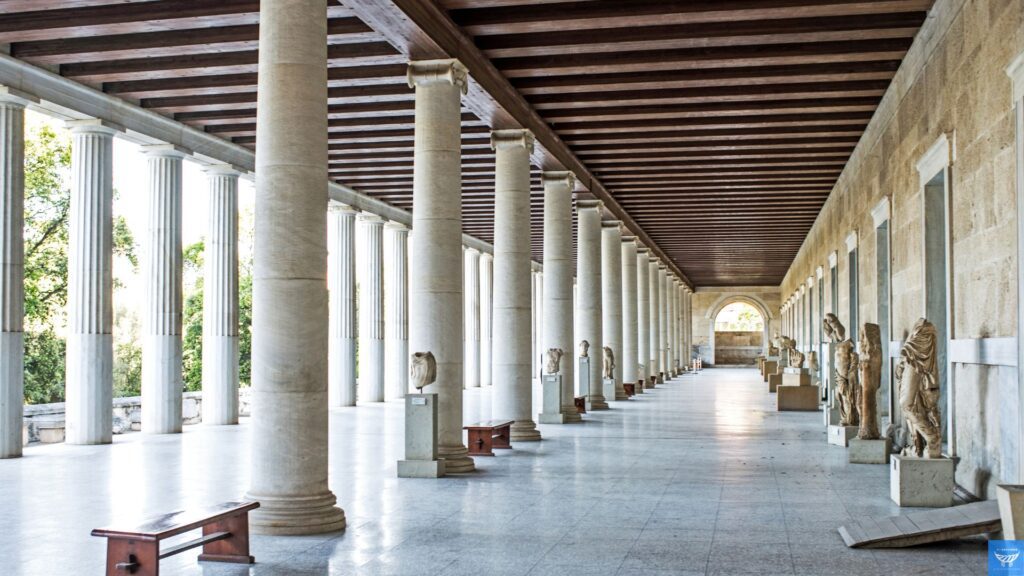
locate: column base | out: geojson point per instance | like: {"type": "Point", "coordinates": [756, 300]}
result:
{"type": "Point", "coordinates": [596, 403]}
{"type": "Point", "coordinates": [421, 468]}
{"type": "Point", "coordinates": [543, 418]}
{"type": "Point", "coordinates": [299, 515]}
{"type": "Point", "coordinates": [570, 414]}
{"type": "Point", "coordinates": [456, 459]}
{"type": "Point", "coordinates": [524, 431]}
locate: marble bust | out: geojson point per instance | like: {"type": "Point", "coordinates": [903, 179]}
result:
{"type": "Point", "coordinates": [422, 369]}
{"type": "Point", "coordinates": [584, 349]}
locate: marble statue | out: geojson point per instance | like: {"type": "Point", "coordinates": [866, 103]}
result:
{"type": "Point", "coordinates": [812, 362]}
{"type": "Point", "coordinates": [869, 371]}
{"type": "Point", "coordinates": [796, 358]}
{"type": "Point", "coordinates": [609, 363]}
{"type": "Point", "coordinates": [422, 369]}
{"type": "Point", "coordinates": [846, 371]}
{"type": "Point", "coordinates": [553, 360]}
{"type": "Point", "coordinates": [834, 329]}
{"type": "Point", "coordinates": [584, 349]}
{"type": "Point", "coordinates": [918, 378]}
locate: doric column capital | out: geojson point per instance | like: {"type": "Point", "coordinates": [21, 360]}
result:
{"type": "Point", "coordinates": [626, 239]}
{"type": "Point", "coordinates": [508, 139]}
{"type": "Point", "coordinates": [11, 97]}
{"type": "Point", "coordinates": [165, 151]}
{"type": "Point", "coordinates": [559, 177]}
{"type": "Point", "coordinates": [610, 224]}
{"type": "Point", "coordinates": [94, 126]}
{"type": "Point", "coordinates": [589, 205]}
{"type": "Point", "coordinates": [339, 207]}
{"type": "Point", "coordinates": [641, 249]}
{"type": "Point", "coordinates": [470, 250]}
{"type": "Point", "coordinates": [220, 169]}
{"type": "Point", "coordinates": [371, 218]}
{"type": "Point", "coordinates": [426, 72]}
{"type": "Point", "coordinates": [396, 227]}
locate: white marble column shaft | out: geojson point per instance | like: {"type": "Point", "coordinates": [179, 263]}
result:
{"type": "Point", "coordinates": [90, 347]}
{"type": "Point", "coordinates": [486, 319]}
{"type": "Point", "coordinates": [559, 269]}
{"type": "Point", "coordinates": [663, 322]}
{"type": "Point", "coordinates": [371, 310]}
{"type": "Point", "coordinates": [643, 297]}
{"type": "Point", "coordinates": [611, 301]}
{"type": "Point", "coordinates": [653, 365]}
{"type": "Point", "coordinates": [290, 310]}
{"type": "Point", "coordinates": [629, 359]}
{"type": "Point", "coordinates": [471, 312]}
{"type": "Point", "coordinates": [513, 378]}
{"type": "Point", "coordinates": [220, 299]}
{"type": "Point", "coordinates": [342, 293]}
{"type": "Point", "coordinates": [588, 303]}
{"type": "Point", "coordinates": [12, 274]}
{"type": "Point", "coordinates": [396, 311]}
{"type": "Point", "coordinates": [672, 356]}
{"type": "Point", "coordinates": [536, 351]}
{"type": "Point", "coordinates": [435, 278]}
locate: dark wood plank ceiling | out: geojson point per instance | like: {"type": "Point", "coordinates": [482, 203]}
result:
{"type": "Point", "coordinates": [720, 126]}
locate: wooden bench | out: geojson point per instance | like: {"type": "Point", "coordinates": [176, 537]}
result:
{"type": "Point", "coordinates": [630, 388]}
{"type": "Point", "coordinates": [581, 404]}
{"type": "Point", "coordinates": [483, 436]}
{"type": "Point", "coordinates": [136, 549]}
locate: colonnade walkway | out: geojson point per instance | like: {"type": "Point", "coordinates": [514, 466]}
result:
{"type": "Point", "coordinates": [700, 476]}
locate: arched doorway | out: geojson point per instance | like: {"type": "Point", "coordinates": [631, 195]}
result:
{"type": "Point", "coordinates": [738, 334]}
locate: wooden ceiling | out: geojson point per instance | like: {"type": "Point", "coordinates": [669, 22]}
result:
{"type": "Point", "coordinates": [718, 126]}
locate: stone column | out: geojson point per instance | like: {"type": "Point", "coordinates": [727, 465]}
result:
{"type": "Point", "coordinates": [611, 300]}
{"type": "Point", "coordinates": [396, 311]}
{"type": "Point", "coordinates": [342, 287]}
{"type": "Point", "coordinates": [653, 366]}
{"type": "Point", "coordinates": [371, 310]}
{"type": "Point", "coordinates": [628, 359]}
{"type": "Point", "coordinates": [538, 323]}
{"type": "Point", "coordinates": [559, 269]}
{"type": "Point", "coordinates": [162, 269]}
{"type": "Point", "coordinates": [513, 378]}
{"type": "Point", "coordinates": [12, 271]}
{"type": "Point", "coordinates": [672, 325]}
{"type": "Point", "coordinates": [486, 316]}
{"type": "Point", "coordinates": [663, 321]}
{"type": "Point", "coordinates": [588, 304]}
{"type": "Point", "coordinates": [220, 299]}
{"type": "Point", "coordinates": [435, 279]}
{"type": "Point", "coordinates": [643, 334]}
{"type": "Point", "coordinates": [471, 301]}
{"type": "Point", "coordinates": [290, 311]}
{"type": "Point", "coordinates": [90, 347]}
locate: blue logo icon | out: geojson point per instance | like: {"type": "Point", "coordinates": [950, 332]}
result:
{"type": "Point", "coordinates": [1005, 558]}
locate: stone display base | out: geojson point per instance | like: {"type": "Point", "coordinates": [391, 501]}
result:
{"type": "Point", "coordinates": [797, 379]}
{"type": "Point", "coordinates": [421, 459]}
{"type": "Point", "coordinates": [796, 399]}
{"type": "Point", "coordinates": [841, 435]}
{"type": "Point", "coordinates": [925, 482]}
{"type": "Point", "coordinates": [774, 381]}
{"type": "Point", "coordinates": [552, 413]}
{"type": "Point", "coordinates": [1011, 510]}
{"type": "Point", "coordinates": [832, 417]}
{"type": "Point", "coordinates": [869, 451]}
{"type": "Point", "coordinates": [768, 368]}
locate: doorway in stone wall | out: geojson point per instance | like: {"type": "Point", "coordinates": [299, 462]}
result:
{"type": "Point", "coordinates": [739, 335]}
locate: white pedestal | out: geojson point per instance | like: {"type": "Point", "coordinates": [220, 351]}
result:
{"type": "Point", "coordinates": [796, 399]}
{"type": "Point", "coordinates": [421, 459]}
{"type": "Point", "coordinates": [797, 379]}
{"type": "Point", "coordinates": [926, 482]}
{"type": "Point", "coordinates": [769, 367]}
{"type": "Point", "coordinates": [552, 413]}
{"type": "Point", "coordinates": [869, 451]}
{"type": "Point", "coordinates": [583, 376]}
{"type": "Point", "coordinates": [832, 417]}
{"type": "Point", "coordinates": [841, 435]}
{"type": "Point", "coordinates": [608, 384]}
{"type": "Point", "coordinates": [1011, 510]}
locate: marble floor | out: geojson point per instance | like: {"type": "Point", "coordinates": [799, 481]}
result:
{"type": "Point", "coordinates": [700, 476]}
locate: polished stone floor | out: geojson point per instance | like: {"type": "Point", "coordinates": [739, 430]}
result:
{"type": "Point", "coordinates": [700, 476]}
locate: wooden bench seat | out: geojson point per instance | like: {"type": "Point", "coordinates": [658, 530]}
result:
{"type": "Point", "coordinates": [629, 388]}
{"type": "Point", "coordinates": [483, 436]}
{"type": "Point", "coordinates": [581, 404]}
{"type": "Point", "coordinates": [136, 549]}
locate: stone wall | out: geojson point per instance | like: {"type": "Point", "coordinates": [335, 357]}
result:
{"type": "Point", "coordinates": [707, 302]}
{"type": "Point", "coordinates": [738, 348]}
{"type": "Point", "coordinates": [951, 83]}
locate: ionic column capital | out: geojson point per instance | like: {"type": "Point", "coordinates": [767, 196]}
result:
{"type": "Point", "coordinates": [564, 177]}
{"type": "Point", "coordinates": [427, 72]}
{"type": "Point", "coordinates": [510, 139]}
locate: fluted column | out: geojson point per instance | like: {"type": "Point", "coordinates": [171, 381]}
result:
{"type": "Point", "coordinates": [471, 312]}
{"type": "Point", "coordinates": [435, 277]}
{"type": "Point", "coordinates": [290, 310]}
{"type": "Point", "coordinates": [538, 322]}
{"type": "Point", "coordinates": [486, 317]}
{"type": "Point", "coordinates": [396, 311]}
{"type": "Point", "coordinates": [643, 319]}
{"type": "Point", "coordinates": [611, 301]}
{"type": "Point", "coordinates": [559, 269]}
{"type": "Point", "coordinates": [628, 360]}
{"type": "Point", "coordinates": [341, 285]}
{"type": "Point", "coordinates": [671, 305]}
{"type": "Point", "coordinates": [588, 304]}
{"type": "Point", "coordinates": [663, 322]}
{"type": "Point", "coordinates": [12, 270]}
{"type": "Point", "coordinates": [220, 299]}
{"type": "Point", "coordinates": [90, 348]}
{"type": "Point", "coordinates": [513, 378]}
{"type": "Point", "coordinates": [653, 366]}
{"type": "Point", "coordinates": [371, 310]}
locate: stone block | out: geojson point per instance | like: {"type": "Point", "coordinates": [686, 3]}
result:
{"type": "Point", "coordinates": [421, 459]}
{"type": "Point", "coordinates": [924, 482]}
{"type": "Point", "coordinates": [869, 451]}
{"type": "Point", "coordinates": [841, 435]}
{"type": "Point", "coordinates": [774, 381]}
{"type": "Point", "coordinates": [552, 405]}
{"type": "Point", "coordinates": [770, 367]}
{"type": "Point", "coordinates": [797, 379]}
{"type": "Point", "coordinates": [833, 417]}
{"type": "Point", "coordinates": [421, 468]}
{"type": "Point", "coordinates": [1011, 510]}
{"type": "Point", "coordinates": [796, 399]}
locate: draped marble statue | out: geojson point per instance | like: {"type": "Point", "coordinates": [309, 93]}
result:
{"type": "Point", "coordinates": [846, 371]}
{"type": "Point", "coordinates": [918, 377]}
{"type": "Point", "coordinates": [812, 362]}
{"type": "Point", "coordinates": [584, 349]}
{"type": "Point", "coordinates": [422, 369]}
{"type": "Point", "coordinates": [553, 360]}
{"type": "Point", "coordinates": [869, 371]}
{"type": "Point", "coordinates": [609, 363]}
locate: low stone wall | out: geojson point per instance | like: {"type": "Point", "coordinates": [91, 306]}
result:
{"type": "Point", "coordinates": [44, 423]}
{"type": "Point", "coordinates": [738, 348]}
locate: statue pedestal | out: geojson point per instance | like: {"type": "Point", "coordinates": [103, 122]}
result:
{"type": "Point", "coordinates": [768, 368]}
{"type": "Point", "coordinates": [796, 378]}
{"type": "Point", "coordinates": [774, 381]}
{"type": "Point", "coordinates": [869, 451]}
{"type": "Point", "coordinates": [925, 482]}
{"type": "Point", "coordinates": [841, 435]}
{"type": "Point", "coordinates": [832, 417]}
{"type": "Point", "coordinates": [1011, 510]}
{"type": "Point", "coordinates": [552, 406]}
{"type": "Point", "coordinates": [583, 376]}
{"type": "Point", "coordinates": [611, 392]}
{"type": "Point", "coordinates": [421, 459]}
{"type": "Point", "coordinates": [796, 399]}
